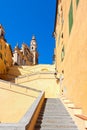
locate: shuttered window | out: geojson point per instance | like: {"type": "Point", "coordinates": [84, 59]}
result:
{"type": "Point", "coordinates": [77, 1]}
{"type": "Point", "coordinates": [70, 17]}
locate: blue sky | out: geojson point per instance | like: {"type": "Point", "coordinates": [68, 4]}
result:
{"type": "Point", "coordinates": [23, 18]}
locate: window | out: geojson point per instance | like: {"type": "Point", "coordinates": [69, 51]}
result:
{"type": "Point", "coordinates": [0, 55]}
{"type": "Point", "coordinates": [30, 59]}
{"type": "Point", "coordinates": [5, 62]}
{"type": "Point", "coordinates": [62, 35]}
{"type": "Point", "coordinates": [77, 1]}
{"type": "Point", "coordinates": [62, 53]}
{"type": "Point", "coordinates": [5, 54]}
{"type": "Point", "coordinates": [70, 17]}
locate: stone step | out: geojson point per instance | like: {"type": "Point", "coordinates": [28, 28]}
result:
{"type": "Point", "coordinates": [50, 123]}
{"type": "Point", "coordinates": [54, 116]}
{"type": "Point", "coordinates": [54, 109]}
{"type": "Point", "coordinates": [55, 129]}
{"type": "Point", "coordinates": [55, 126]}
{"type": "Point", "coordinates": [54, 105]}
{"type": "Point", "coordinates": [55, 121]}
{"type": "Point", "coordinates": [55, 112]}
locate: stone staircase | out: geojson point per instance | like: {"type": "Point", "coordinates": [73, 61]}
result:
{"type": "Point", "coordinates": [54, 116]}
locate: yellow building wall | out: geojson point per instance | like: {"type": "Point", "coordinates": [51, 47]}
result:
{"type": "Point", "coordinates": [75, 60]}
{"type": "Point", "coordinates": [6, 59]}
{"type": "Point", "coordinates": [8, 56]}
{"type": "Point", "coordinates": [2, 67]}
{"type": "Point", "coordinates": [2, 51]}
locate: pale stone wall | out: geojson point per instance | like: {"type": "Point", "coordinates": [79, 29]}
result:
{"type": "Point", "coordinates": [50, 87]}
{"type": "Point", "coordinates": [15, 101]}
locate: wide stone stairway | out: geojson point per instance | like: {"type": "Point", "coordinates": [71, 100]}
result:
{"type": "Point", "coordinates": [54, 116]}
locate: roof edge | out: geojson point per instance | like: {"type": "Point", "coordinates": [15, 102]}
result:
{"type": "Point", "coordinates": [55, 18]}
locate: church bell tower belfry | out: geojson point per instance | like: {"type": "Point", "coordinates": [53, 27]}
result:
{"type": "Point", "coordinates": [33, 50]}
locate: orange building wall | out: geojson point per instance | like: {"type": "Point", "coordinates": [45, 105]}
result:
{"type": "Point", "coordinates": [75, 60]}
{"type": "Point", "coordinates": [6, 60]}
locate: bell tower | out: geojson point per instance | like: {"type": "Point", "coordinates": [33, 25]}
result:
{"type": "Point", "coordinates": [33, 44]}
{"type": "Point", "coordinates": [33, 49]}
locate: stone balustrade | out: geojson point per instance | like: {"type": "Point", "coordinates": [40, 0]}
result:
{"type": "Point", "coordinates": [29, 119]}
{"type": "Point", "coordinates": [34, 76]}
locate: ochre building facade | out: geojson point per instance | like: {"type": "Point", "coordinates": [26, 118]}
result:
{"type": "Point", "coordinates": [5, 54]}
{"type": "Point", "coordinates": [70, 32]}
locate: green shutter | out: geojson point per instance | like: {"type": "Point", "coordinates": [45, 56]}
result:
{"type": "Point", "coordinates": [70, 17]}
{"type": "Point", "coordinates": [77, 1]}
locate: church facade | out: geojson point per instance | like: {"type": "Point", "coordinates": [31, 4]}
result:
{"type": "Point", "coordinates": [26, 55]}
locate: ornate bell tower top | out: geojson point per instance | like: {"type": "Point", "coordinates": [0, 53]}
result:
{"type": "Point", "coordinates": [2, 32]}
{"type": "Point", "coordinates": [33, 44]}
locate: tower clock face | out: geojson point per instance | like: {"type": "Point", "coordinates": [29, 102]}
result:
{"type": "Point", "coordinates": [33, 43]}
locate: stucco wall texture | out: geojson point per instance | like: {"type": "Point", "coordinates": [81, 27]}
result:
{"type": "Point", "coordinates": [75, 59]}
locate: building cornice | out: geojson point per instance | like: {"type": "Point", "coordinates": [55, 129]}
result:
{"type": "Point", "coordinates": [55, 18]}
